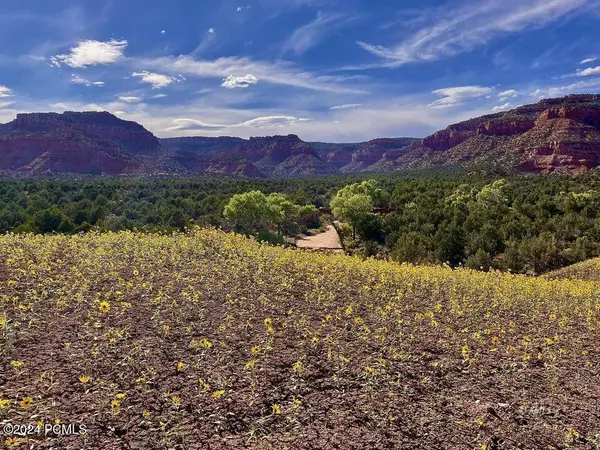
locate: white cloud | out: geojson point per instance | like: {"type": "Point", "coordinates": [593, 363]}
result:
{"type": "Point", "coordinates": [232, 82]}
{"type": "Point", "coordinates": [5, 104]}
{"type": "Point", "coordinates": [456, 95]}
{"type": "Point", "coordinates": [163, 32]}
{"type": "Point", "coordinates": [269, 121]}
{"type": "Point", "coordinates": [310, 35]}
{"type": "Point", "coordinates": [157, 80]}
{"type": "Point", "coordinates": [76, 79]}
{"type": "Point", "coordinates": [258, 122]}
{"type": "Point", "coordinates": [511, 93]}
{"type": "Point", "coordinates": [588, 72]}
{"type": "Point", "coordinates": [61, 107]}
{"type": "Point", "coordinates": [390, 116]}
{"type": "Point", "coordinates": [581, 87]}
{"type": "Point", "coordinates": [5, 92]}
{"type": "Point", "coordinates": [347, 106]}
{"type": "Point", "coordinates": [501, 108]}
{"type": "Point", "coordinates": [588, 60]}
{"type": "Point", "coordinates": [157, 96]}
{"type": "Point", "coordinates": [211, 30]}
{"type": "Point", "coordinates": [130, 99]}
{"type": "Point", "coordinates": [91, 53]}
{"type": "Point", "coordinates": [450, 31]}
{"type": "Point", "coordinates": [277, 73]}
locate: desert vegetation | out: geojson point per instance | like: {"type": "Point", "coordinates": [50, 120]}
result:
{"type": "Point", "coordinates": [523, 224]}
{"type": "Point", "coordinates": [210, 339]}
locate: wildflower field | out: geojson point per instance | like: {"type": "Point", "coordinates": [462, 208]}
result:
{"type": "Point", "coordinates": [586, 270]}
{"type": "Point", "coordinates": [211, 340]}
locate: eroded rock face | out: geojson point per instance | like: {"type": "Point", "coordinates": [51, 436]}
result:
{"type": "Point", "coordinates": [133, 137]}
{"type": "Point", "coordinates": [339, 158]}
{"type": "Point", "coordinates": [448, 138]}
{"type": "Point", "coordinates": [262, 156]}
{"type": "Point", "coordinates": [505, 128]}
{"type": "Point", "coordinates": [363, 156]}
{"type": "Point", "coordinates": [277, 148]}
{"type": "Point", "coordinates": [88, 142]}
{"type": "Point", "coordinates": [554, 135]}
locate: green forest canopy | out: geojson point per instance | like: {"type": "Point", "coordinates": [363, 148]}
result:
{"type": "Point", "coordinates": [521, 223]}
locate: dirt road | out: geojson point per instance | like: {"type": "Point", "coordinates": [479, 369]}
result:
{"type": "Point", "coordinates": [328, 240]}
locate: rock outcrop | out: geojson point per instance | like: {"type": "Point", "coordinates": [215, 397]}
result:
{"type": "Point", "coordinates": [74, 142]}
{"type": "Point", "coordinates": [556, 135]}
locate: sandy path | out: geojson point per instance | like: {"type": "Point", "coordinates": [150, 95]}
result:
{"type": "Point", "coordinates": [328, 240]}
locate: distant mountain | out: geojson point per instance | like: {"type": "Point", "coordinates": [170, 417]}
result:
{"type": "Point", "coordinates": [272, 156]}
{"type": "Point", "coordinates": [557, 135]}
{"type": "Point", "coordinates": [89, 142]}
{"type": "Point", "coordinates": [361, 156]}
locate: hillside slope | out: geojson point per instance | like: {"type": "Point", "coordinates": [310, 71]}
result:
{"type": "Point", "coordinates": [79, 142]}
{"type": "Point", "coordinates": [363, 156]}
{"type": "Point", "coordinates": [556, 135]}
{"type": "Point", "coordinates": [587, 270]}
{"type": "Point", "coordinates": [167, 341]}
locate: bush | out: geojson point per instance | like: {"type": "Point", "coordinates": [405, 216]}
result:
{"type": "Point", "coordinates": [370, 228]}
{"type": "Point", "coordinates": [413, 247]}
{"type": "Point", "coordinates": [541, 253]}
{"type": "Point", "coordinates": [481, 260]}
{"type": "Point", "coordinates": [270, 238]}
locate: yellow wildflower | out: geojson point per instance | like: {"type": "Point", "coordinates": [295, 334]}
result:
{"type": "Point", "coordinates": [218, 394]}
{"type": "Point", "coordinates": [26, 402]}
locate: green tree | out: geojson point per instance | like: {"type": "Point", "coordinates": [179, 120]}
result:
{"type": "Point", "coordinates": [249, 210]}
{"type": "Point", "coordinates": [354, 202]}
{"type": "Point", "coordinates": [493, 194]}
{"type": "Point", "coordinates": [178, 220]}
{"type": "Point", "coordinates": [541, 253]}
{"type": "Point", "coordinates": [412, 247]}
{"type": "Point", "coordinates": [281, 210]}
{"type": "Point", "coordinates": [481, 260]}
{"type": "Point", "coordinates": [49, 220]}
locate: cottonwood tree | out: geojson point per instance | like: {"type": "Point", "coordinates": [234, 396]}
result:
{"type": "Point", "coordinates": [354, 202]}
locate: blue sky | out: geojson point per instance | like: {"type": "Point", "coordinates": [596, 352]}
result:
{"type": "Point", "coordinates": [331, 70]}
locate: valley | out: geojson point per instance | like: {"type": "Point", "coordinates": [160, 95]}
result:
{"type": "Point", "coordinates": [559, 135]}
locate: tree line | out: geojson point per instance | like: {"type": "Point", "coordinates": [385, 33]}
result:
{"type": "Point", "coordinates": [522, 223]}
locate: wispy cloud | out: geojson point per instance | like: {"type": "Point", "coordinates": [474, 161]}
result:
{"type": "Point", "coordinates": [346, 106]}
{"type": "Point", "coordinates": [313, 33]}
{"type": "Point", "coordinates": [276, 73]}
{"type": "Point", "coordinates": [394, 116]}
{"type": "Point", "coordinates": [91, 53]}
{"type": "Point", "coordinates": [5, 104]}
{"type": "Point", "coordinates": [473, 25]}
{"type": "Point", "coordinates": [573, 88]}
{"type": "Point", "coordinates": [510, 93]}
{"type": "Point", "coordinates": [157, 80]}
{"type": "Point", "coordinates": [588, 60]}
{"type": "Point", "coordinates": [5, 92]}
{"type": "Point", "coordinates": [76, 79]}
{"type": "Point", "coordinates": [454, 96]}
{"type": "Point", "coordinates": [588, 72]}
{"type": "Point", "coordinates": [501, 108]}
{"type": "Point", "coordinates": [232, 82]}
{"type": "Point", "coordinates": [258, 122]}
{"type": "Point", "coordinates": [130, 99]}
